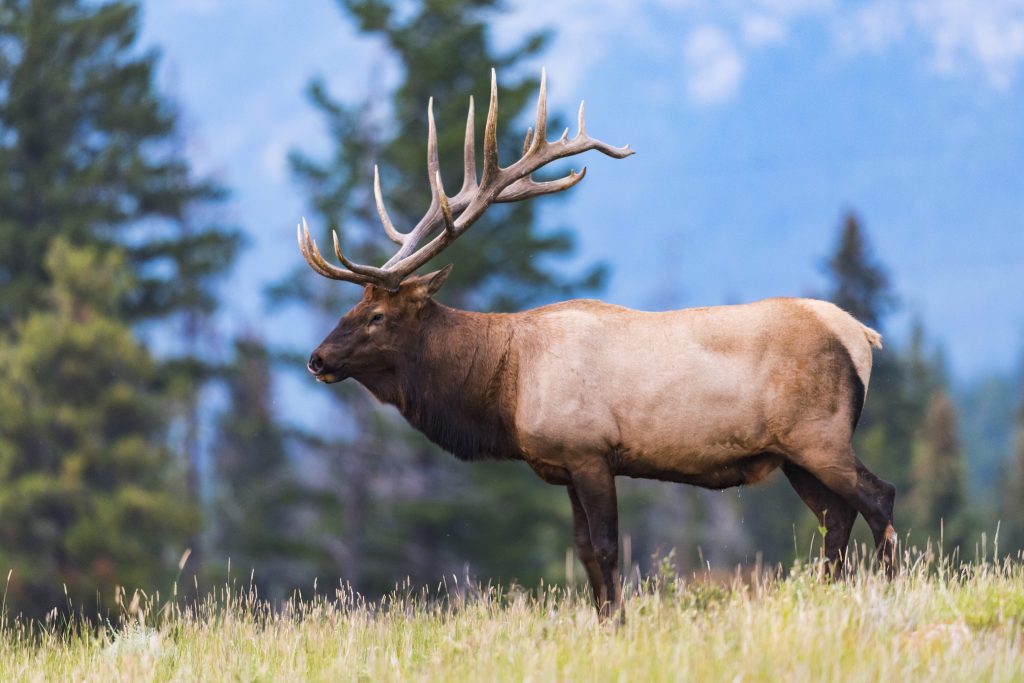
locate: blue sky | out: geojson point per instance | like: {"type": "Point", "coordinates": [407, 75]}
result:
{"type": "Point", "coordinates": [757, 125]}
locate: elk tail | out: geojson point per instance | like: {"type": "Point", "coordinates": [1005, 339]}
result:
{"type": "Point", "coordinates": [874, 338]}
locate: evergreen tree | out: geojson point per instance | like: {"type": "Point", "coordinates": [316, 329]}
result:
{"type": "Point", "coordinates": [88, 151]}
{"type": "Point", "coordinates": [90, 497]}
{"type": "Point", "coordinates": [860, 285]}
{"type": "Point", "coordinates": [257, 493]}
{"type": "Point", "coordinates": [405, 508]}
{"type": "Point", "coordinates": [938, 490]}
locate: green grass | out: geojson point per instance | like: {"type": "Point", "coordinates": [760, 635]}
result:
{"type": "Point", "coordinates": [934, 623]}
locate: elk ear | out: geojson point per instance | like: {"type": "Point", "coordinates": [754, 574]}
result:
{"type": "Point", "coordinates": [432, 282]}
{"type": "Point", "coordinates": [425, 286]}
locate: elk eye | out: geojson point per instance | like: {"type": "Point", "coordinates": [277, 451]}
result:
{"type": "Point", "coordinates": [377, 317]}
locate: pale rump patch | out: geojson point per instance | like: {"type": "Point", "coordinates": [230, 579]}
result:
{"type": "Point", "coordinates": [858, 339]}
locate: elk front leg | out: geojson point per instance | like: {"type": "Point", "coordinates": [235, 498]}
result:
{"type": "Point", "coordinates": [585, 549]}
{"type": "Point", "coordinates": [594, 485]}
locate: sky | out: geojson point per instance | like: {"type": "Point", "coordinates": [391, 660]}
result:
{"type": "Point", "coordinates": [757, 126]}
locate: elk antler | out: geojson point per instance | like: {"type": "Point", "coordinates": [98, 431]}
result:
{"type": "Point", "coordinates": [456, 214]}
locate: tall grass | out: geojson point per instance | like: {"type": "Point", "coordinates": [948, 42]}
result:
{"type": "Point", "coordinates": [939, 621]}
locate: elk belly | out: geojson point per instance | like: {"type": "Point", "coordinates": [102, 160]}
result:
{"type": "Point", "coordinates": [693, 429]}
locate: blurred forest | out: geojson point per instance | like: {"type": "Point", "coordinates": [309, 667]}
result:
{"type": "Point", "coordinates": [111, 253]}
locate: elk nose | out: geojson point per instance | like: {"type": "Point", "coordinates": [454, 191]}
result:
{"type": "Point", "coordinates": [316, 363]}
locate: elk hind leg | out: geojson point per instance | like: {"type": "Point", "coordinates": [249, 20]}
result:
{"type": "Point", "coordinates": [833, 513]}
{"type": "Point", "coordinates": [883, 497]}
{"type": "Point", "coordinates": [871, 496]}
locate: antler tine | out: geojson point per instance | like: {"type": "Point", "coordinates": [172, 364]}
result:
{"type": "Point", "coordinates": [433, 164]}
{"type": "Point", "coordinates": [581, 122]}
{"type": "Point", "coordinates": [305, 253]}
{"type": "Point", "coordinates": [528, 140]}
{"type": "Point", "coordinates": [358, 269]}
{"type": "Point", "coordinates": [306, 246]}
{"type": "Point", "coordinates": [389, 228]}
{"type": "Point", "coordinates": [540, 136]}
{"type": "Point", "coordinates": [446, 211]}
{"type": "Point", "coordinates": [491, 167]}
{"type": "Point", "coordinates": [312, 255]}
{"type": "Point", "coordinates": [469, 152]}
{"type": "Point", "coordinates": [524, 188]}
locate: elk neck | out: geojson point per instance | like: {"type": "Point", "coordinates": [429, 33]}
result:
{"type": "Point", "coordinates": [456, 382]}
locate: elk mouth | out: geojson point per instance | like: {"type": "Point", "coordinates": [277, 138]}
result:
{"type": "Point", "coordinates": [330, 376]}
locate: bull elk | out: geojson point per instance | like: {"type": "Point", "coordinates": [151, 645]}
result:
{"type": "Point", "coordinates": [584, 391]}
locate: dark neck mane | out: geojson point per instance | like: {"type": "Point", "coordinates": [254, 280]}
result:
{"type": "Point", "coordinates": [457, 383]}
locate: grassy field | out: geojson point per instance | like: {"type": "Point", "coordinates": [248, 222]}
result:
{"type": "Point", "coordinates": [932, 624]}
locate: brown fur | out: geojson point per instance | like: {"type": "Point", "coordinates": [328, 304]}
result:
{"type": "Point", "coordinates": [454, 385]}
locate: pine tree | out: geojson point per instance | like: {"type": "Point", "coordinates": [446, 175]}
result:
{"type": "Point", "coordinates": [860, 285]}
{"type": "Point", "coordinates": [88, 151]}
{"type": "Point", "coordinates": [90, 497]}
{"type": "Point", "coordinates": [938, 491]}
{"type": "Point", "coordinates": [404, 506]}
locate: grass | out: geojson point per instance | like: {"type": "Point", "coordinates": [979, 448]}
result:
{"type": "Point", "coordinates": [937, 622]}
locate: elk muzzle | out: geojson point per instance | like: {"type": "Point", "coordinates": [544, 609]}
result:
{"type": "Point", "coordinates": [318, 367]}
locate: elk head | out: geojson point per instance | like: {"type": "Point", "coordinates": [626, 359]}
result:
{"type": "Point", "coordinates": [369, 337]}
